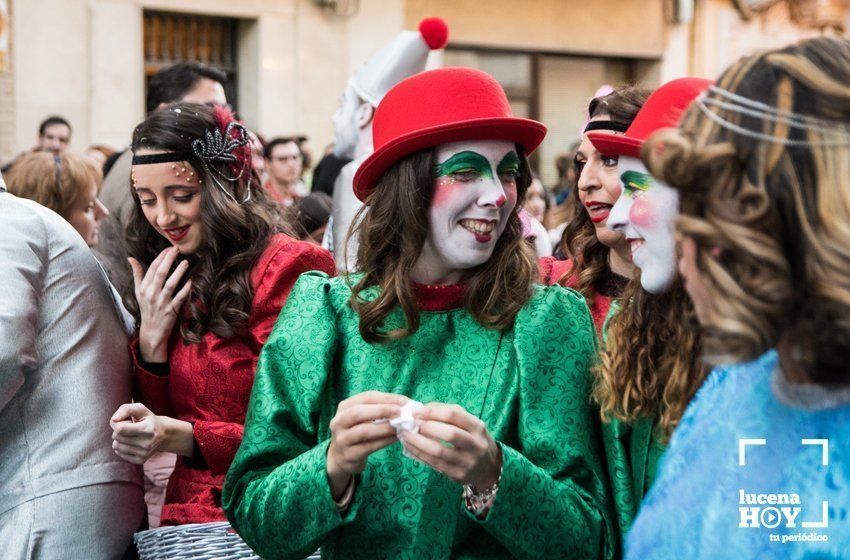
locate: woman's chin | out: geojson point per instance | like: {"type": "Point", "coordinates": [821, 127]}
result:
{"type": "Point", "coordinates": [609, 237]}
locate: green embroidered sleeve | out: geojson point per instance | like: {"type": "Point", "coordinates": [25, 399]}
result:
{"type": "Point", "coordinates": [276, 494]}
{"type": "Point", "coordinates": [551, 497]}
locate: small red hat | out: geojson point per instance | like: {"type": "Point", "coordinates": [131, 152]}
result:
{"type": "Point", "coordinates": [662, 109]}
{"type": "Point", "coordinates": [437, 107]}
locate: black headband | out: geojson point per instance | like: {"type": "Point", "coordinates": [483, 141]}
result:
{"type": "Point", "coordinates": [161, 158]}
{"type": "Point", "coordinates": [605, 125]}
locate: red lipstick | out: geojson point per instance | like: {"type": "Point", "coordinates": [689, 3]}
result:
{"type": "Point", "coordinates": [176, 234]}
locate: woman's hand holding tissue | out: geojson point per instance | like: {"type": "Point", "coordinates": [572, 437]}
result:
{"type": "Point", "coordinates": [358, 429]}
{"type": "Point", "coordinates": [472, 456]}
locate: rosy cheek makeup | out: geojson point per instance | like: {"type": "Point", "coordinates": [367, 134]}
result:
{"type": "Point", "coordinates": [642, 213]}
{"type": "Point", "coordinates": [445, 189]}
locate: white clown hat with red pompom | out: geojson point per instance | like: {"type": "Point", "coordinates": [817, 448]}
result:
{"type": "Point", "coordinates": [401, 58]}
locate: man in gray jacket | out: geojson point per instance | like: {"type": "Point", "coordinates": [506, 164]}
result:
{"type": "Point", "coordinates": [64, 368]}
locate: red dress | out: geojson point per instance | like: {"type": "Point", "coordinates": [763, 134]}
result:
{"type": "Point", "coordinates": [552, 272]}
{"type": "Point", "coordinates": [209, 383]}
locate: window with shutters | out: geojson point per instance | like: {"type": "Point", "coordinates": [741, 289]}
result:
{"type": "Point", "coordinates": [171, 37]}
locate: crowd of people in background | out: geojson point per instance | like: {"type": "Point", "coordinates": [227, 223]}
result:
{"type": "Point", "coordinates": [284, 164]}
{"type": "Point", "coordinates": [204, 328]}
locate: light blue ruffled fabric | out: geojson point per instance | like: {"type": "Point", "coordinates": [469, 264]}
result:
{"type": "Point", "coordinates": [692, 510]}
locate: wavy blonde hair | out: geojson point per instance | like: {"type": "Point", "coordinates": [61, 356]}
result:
{"type": "Point", "coordinates": [768, 205]}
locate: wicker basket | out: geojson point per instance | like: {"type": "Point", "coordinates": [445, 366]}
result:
{"type": "Point", "coordinates": [195, 541]}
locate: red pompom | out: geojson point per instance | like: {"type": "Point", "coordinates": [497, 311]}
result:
{"type": "Point", "coordinates": [435, 32]}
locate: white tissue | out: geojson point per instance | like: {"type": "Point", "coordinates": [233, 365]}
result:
{"type": "Point", "coordinates": [405, 422]}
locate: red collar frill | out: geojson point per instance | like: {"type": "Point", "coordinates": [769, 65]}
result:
{"type": "Point", "coordinates": [438, 298]}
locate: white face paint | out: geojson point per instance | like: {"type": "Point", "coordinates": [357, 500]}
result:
{"type": "Point", "coordinates": [475, 191]}
{"type": "Point", "coordinates": [346, 131]}
{"type": "Point", "coordinates": [645, 214]}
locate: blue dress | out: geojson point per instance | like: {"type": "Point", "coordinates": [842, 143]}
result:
{"type": "Point", "coordinates": [783, 502]}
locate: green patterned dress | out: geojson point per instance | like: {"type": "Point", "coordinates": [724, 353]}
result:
{"type": "Point", "coordinates": [632, 453]}
{"type": "Point", "coordinates": [530, 385]}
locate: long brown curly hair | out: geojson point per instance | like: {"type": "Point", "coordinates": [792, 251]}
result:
{"type": "Point", "coordinates": [767, 201]}
{"type": "Point", "coordinates": [590, 256]}
{"type": "Point", "coordinates": [234, 235]}
{"type": "Point", "coordinates": [650, 365]}
{"type": "Point", "coordinates": [392, 233]}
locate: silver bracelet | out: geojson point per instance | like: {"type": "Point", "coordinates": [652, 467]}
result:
{"type": "Point", "coordinates": [478, 502]}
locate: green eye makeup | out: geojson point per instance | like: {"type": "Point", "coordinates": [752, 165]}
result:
{"type": "Point", "coordinates": [635, 180]}
{"type": "Point", "coordinates": [464, 162]}
{"type": "Point", "coordinates": [509, 164]}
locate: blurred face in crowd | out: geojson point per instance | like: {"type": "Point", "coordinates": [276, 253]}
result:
{"type": "Point", "coordinates": [645, 214]}
{"type": "Point", "coordinates": [285, 163]}
{"type": "Point", "coordinates": [598, 189]}
{"type": "Point", "coordinates": [170, 197]}
{"type": "Point", "coordinates": [97, 157]}
{"type": "Point", "coordinates": [86, 214]}
{"type": "Point", "coordinates": [475, 191]}
{"type": "Point", "coordinates": [55, 138]}
{"type": "Point", "coordinates": [317, 235]}
{"type": "Point", "coordinates": [258, 162]}
{"type": "Point", "coordinates": [535, 200]}
{"type": "Point", "coordinates": [206, 92]}
{"type": "Point", "coordinates": [346, 129]}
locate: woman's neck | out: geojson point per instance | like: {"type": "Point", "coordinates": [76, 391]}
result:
{"type": "Point", "coordinates": [431, 277]}
{"type": "Point", "coordinates": [431, 270]}
{"type": "Point", "coordinates": [619, 263]}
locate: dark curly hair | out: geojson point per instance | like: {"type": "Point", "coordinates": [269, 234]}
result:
{"type": "Point", "coordinates": [234, 234]}
{"type": "Point", "coordinates": [579, 241]}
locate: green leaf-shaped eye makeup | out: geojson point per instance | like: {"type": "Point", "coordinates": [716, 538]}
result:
{"type": "Point", "coordinates": [509, 164]}
{"type": "Point", "coordinates": [636, 181]}
{"type": "Point", "coordinates": [463, 162]}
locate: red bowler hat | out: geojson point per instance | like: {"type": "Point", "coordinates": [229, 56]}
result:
{"type": "Point", "coordinates": [662, 109]}
{"type": "Point", "coordinates": [437, 107]}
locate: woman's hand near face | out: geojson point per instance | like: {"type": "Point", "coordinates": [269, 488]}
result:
{"type": "Point", "coordinates": [472, 456]}
{"type": "Point", "coordinates": [355, 434]}
{"type": "Point", "coordinates": [159, 306]}
{"type": "Point", "coordinates": [138, 433]}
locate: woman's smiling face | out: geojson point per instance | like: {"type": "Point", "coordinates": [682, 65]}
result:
{"type": "Point", "coordinates": [598, 187]}
{"type": "Point", "coordinates": [475, 191]}
{"type": "Point", "coordinates": [170, 197]}
{"type": "Point", "coordinates": [646, 213]}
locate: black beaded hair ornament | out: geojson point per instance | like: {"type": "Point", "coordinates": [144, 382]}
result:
{"type": "Point", "coordinates": [227, 143]}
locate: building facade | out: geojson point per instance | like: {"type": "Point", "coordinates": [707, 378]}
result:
{"type": "Point", "coordinates": [289, 60]}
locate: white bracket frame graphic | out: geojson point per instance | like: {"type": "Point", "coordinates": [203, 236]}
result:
{"type": "Point", "coordinates": [824, 443]}
{"type": "Point", "coordinates": [824, 522]}
{"type": "Point", "coordinates": [742, 448]}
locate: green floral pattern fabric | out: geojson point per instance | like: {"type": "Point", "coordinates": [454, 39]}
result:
{"type": "Point", "coordinates": [632, 453]}
{"type": "Point", "coordinates": [529, 384]}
